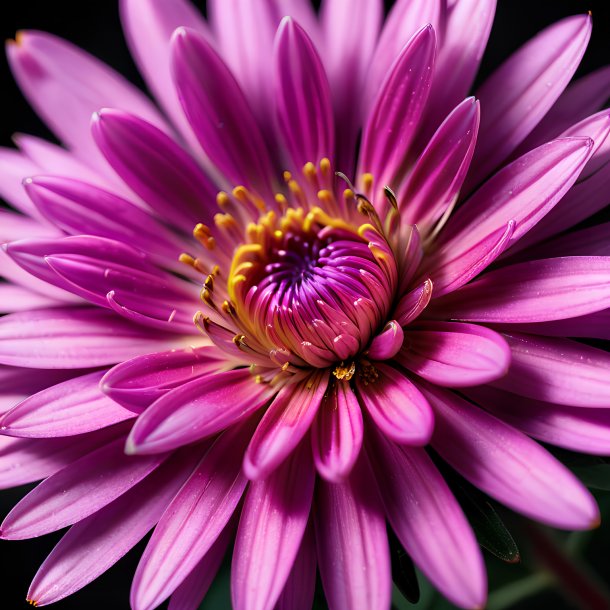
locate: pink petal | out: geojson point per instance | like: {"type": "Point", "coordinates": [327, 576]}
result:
{"type": "Point", "coordinates": [535, 291]}
{"type": "Point", "coordinates": [193, 521]}
{"type": "Point", "coordinates": [336, 435]}
{"type": "Point", "coordinates": [65, 86]}
{"type": "Point", "coordinates": [574, 428]}
{"type": "Point", "coordinates": [219, 113]}
{"type": "Point", "coordinates": [272, 525]}
{"type": "Point", "coordinates": [521, 91]}
{"type": "Point", "coordinates": [74, 338]}
{"type": "Point", "coordinates": [455, 355]}
{"type": "Point", "coordinates": [413, 303]}
{"type": "Point", "coordinates": [508, 465]}
{"type": "Point", "coordinates": [14, 167]}
{"type": "Point", "coordinates": [196, 409]}
{"type": "Point", "coordinates": [302, 94]}
{"type": "Point", "coordinates": [73, 407]}
{"type": "Point", "coordinates": [392, 122]}
{"type": "Point", "coordinates": [284, 424]}
{"type": "Point", "coordinates": [96, 543]}
{"type": "Point", "coordinates": [387, 343]}
{"type": "Point", "coordinates": [557, 370]}
{"type": "Point", "coordinates": [138, 382]}
{"type": "Point", "coordinates": [352, 542]}
{"type": "Point", "coordinates": [429, 522]}
{"type": "Point", "coordinates": [15, 298]}
{"type": "Point", "coordinates": [17, 226]}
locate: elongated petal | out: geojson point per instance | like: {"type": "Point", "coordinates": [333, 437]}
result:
{"type": "Point", "coordinates": [392, 122]}
{"type": "Point", "coordinates": [387, 342]}
{"type": "Point", "coordinates": [413, 303]}
{"type": "Point", "coordinates": [17, 226]}
{"type": "Point", "coordinates": [302, 93]}
{"type": "Point", "coordinates": [15, 298]}
{"type": "Point", "coordinates": [508, 465]}
{"type": "Point", "coordinates": [535, 291]}
{"type": "Point", "coordinates": [455, 355]}
{"type": "Point", "coordinates": [352, 542]}
{"type": "Point", "coordinates": [14, 167]}
{"type": "Point", "coordinates": [285, 423]}
{"type": "Point", "coordinates": [574, 428]}
{"type": "Point", "coordinates": [429, 522]}
{"type": "Point", "coordinates": [155, 167]}
{"type": "Point", "coordinates": [138, 382]}
{"type": "Point", "coordinates": [272, 524]}
{"type": "Point", "coordinates": [74, 338]}
{"type": "Point", "coordinates": [65, 85]}
{"type": "Point", "coordinates": [219, 113]}
{"type": "Point", "coordinates": [197, 409]}
{"type": "Point", "coordinates": [73, 407]}
{"type": "Point", "coordinates": [96, 543]}
{"type": "Point", "coordinates": [77, 491]}
{"type": "Point", "coordinates": [337, 433]}
{"type": "Point", "coordinates": [193, 521]}
{"type": "Point", "coordinates": [396, 406]}
{"type": "Point", "coordinates": [520, 92]}
{"type": "Point", "coordinates": [557, 370]}
{"type": "Point", "coordinates": [439, 173]}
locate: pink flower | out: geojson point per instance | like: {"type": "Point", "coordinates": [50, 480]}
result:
{"type": "Point", "coordinates": [419, 297]}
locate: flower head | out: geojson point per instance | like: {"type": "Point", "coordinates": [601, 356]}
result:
{"type": "Point", "coordinates": [246, 327]}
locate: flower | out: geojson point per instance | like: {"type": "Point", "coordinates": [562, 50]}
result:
{"type": "Point", "coordinates": [369, 316]}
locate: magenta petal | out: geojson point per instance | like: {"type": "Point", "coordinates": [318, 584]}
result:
{"type": "Point", "coordinates": [508, 465]}
{"type": "Point", "coordinates": [455, 355]}
{"type": "Point", "coordinates": [574, 428]}
{"type": "Point", "coordinates": [73, 407]}
{"type": "Point", "coordinates": [429, 522]}
{"type": "Point", "coordinates": [138, 382]}
{"type": "Point", "coordinates": [535, 291]}
{"type": "Point", "coordinates": [520, 92]}
{"type": "Point", "coordinates": [155, 167]}
{"type": "Point", "coordinates": [337, 432]}
{"type": "Point", "coordinates": [196, 409]}
{"type": "Point", "coordinates": [14, 167]}
{"type": "Point", "coordinates": [302, 93]}
{"type": "Point", "coordinates": [435, 182]}
{"type": "Point", "coordinates": [285, 423]}
{"type": "Point", "coordinates": [219, 113]}
{"type": "Point", "coordinates": [96, 543]}
{"type": "Point", "coordinates": [77, 491]}
{"type": "Point", "coordinates": [272, 525]}
{"type": "Point", "coordinates": [15, 298]}
{"type": "Point", "coordinates": [193, 521]}
{"type": "Point", "coordinates": [17, 226]}
{"type": "Point", "coordinates": [387, 343]}
{"type": "Point", "coordinates": [74, 338]}
{"type": "Point", "coordinates": [392, 122]}
{"type": "Point", "coordinates": [352, 542]}
{"type": "Point", "coordinates": [413, 303]}
{"type": "Point", "coordinates": [557, 370]}
{"type": "Point", "coordinates": [396, 406]}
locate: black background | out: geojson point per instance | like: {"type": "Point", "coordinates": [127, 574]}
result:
{"type": "Point", "coordinates": [95, 27]}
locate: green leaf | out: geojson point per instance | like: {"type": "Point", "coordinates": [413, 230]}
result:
{"type": "Point", "coordinates": [403, 570]}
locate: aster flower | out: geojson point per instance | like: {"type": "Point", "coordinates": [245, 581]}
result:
{"type": "Point", "coordinates": [364, 315]}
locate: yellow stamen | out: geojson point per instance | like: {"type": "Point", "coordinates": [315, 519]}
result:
{"type": "Point", "coordinates": [345, 373]}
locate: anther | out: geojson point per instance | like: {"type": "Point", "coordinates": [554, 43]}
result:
{"type": "Point", "coordinates": [345, 373]}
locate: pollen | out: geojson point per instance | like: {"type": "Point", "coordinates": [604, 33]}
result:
{"type": "Point", "coordinates": [343, 372]}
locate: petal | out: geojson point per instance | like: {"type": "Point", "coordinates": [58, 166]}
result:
{"type": "Point", "coordinates": [387, 343]}
{"type": "Point", "coordinates": [17, 226]}
{"type": "Point", "coordinates": [219, 113]}
{"type": "Point", "coordinates": [284, 424]}
{"type": "Point", "coordinates": [557, 370]}
{"type": "Point", "coordinates": [73, 407]}
{"type": "Point", "coordinates": [15, 298]}
{"type": "Point", "coordinates": [302, 94]}
{"type": "Point", "coordinates": [521, 91]}
{"type": "Point", "coordinates": [337, 433]}
{"type": "Point", "coordinates": [197, 409]}
{"type": "Point", "coordinates": [193, 521]}
{"type": "Point", "coordinates": [434, 184]}
{"type": "Point", "coordinates": [65, 86]}
{"type": "Point", "coordinates": [574, 428]}
{"type": "Point", "coordinates": [429, 522]}
{"type": "Point", "coordinates": [96, 543]}
{"type": "Point", "coordinates": [413, 303]}
{"type": "Point", "coordinates": [272, 525]}
{"type": "Point", "coordinates": [138, 382]}
{"type": "Point", "coordinates": [352, 542]}
{"type": "Point", "coordinates": [455, 355]}
{"type": "Point", "coordinates": [508, 465]}
{"type": "Point", "coordinates": [396, 406]}
{"type": "Point", "coordinates": [14, 167]}
{"type": "Point", "coordinates": [535, 291]}
{"type": "Point", "coordinates": [155, 167]}
{"type": "Point", "coordinates": [74, 338]}
{"type": "Point", "coordinates": [392, 122]}
{"type": "Point", "coordinates": [77, 491]}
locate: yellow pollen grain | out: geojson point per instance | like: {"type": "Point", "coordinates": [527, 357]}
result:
{"type": "Point", "coordinates": [259, 379]}
{"type": "Point", "coordinates": [367, 181]}
{"type": "Point", "coordinates": [309, 170]}
{"type": "Point", "coordinates": [287, 176]}
{"type": "Point", "coordinates": [345, 373]}
{"type": "Point", "coordinates": [187, 259]}
{"type": "Point", "coordinates": [325, 196]}
{"type": "Point", "coordinates": [325, 166]}
{"type": "Point", "coordinates": [278, 234]}
{"type": "Point", "coordinates": [281, 201]}
{"type": "Point", "coordinates": [222, 199]}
